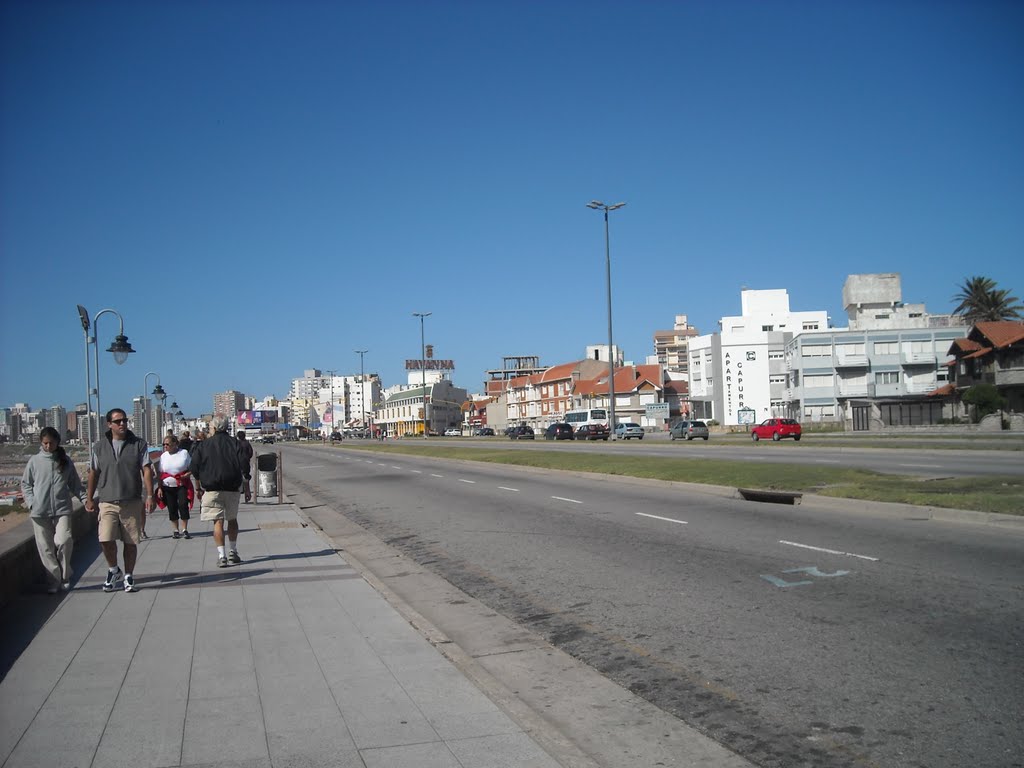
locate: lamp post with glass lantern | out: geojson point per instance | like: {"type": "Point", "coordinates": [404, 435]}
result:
{"type": "Point", "coordinates": [423, 367]}
{"type": "Point", "coordinates": [597, 205]}
{"type": "Point", "coordinates": [120, 348]}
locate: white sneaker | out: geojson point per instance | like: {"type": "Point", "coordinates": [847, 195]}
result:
{"type": "Point", "coordinates": [129, 584]}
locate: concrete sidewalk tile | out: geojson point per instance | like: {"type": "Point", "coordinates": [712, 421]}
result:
{"type": "Point", "coordinates": [380, 715]}
{"type": "Point", "coordinates": [143, 734]}
{"type": "Point", "coordinates": [430, 755]}
{"type": "Point", "coordinates": [316, 758]}
{"type": "Point", "coordinates": [68, 740]}
{"type": "Point", "coordinates": [230, 727]}
{"type": "Point", "coordinates": [516, 750]}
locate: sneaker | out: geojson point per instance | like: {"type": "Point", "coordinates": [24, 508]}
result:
{"type": "Point", "coordinates": [222, 562]}
{"type": "Point", "coordinates": [66, 586]}
{"type": "Point", "coordinates": [233, 556]}
{"type": "Point", "coordinates": [143, 535]}
{"type": "Point", "coordinates": [186, 535]}
{"type": "Point", "coordinates": [129, 584]}
{"type": "Point", "coordinates": [175, 535]}
{"type": "Point", "coordinates": [113, 577]}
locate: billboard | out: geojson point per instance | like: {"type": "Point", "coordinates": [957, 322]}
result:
{"type": "Point", "coordinates": [257, 418]}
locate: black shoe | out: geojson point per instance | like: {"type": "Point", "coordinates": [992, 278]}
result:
{"type": "Point", "coordinates": [113, 577]}
{"type": "Point", "coordinates": [176, 535]}
{"type": "Point", "coordinates": [186, 535]}
{"type": "Point", "coordinates": [233, 557]}
{"type": "Point", "coordinates": [222, 562]}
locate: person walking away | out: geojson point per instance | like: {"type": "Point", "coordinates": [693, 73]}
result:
{"type": "Point", "coordinates": [175, 490]}
{"type": "Point", "coordinates": [185, 442]}
{"type": "Point", "coordinates": [48, 484]}
{"type": "Point", "coordinates": [247, 451]}
{"type": "Point", "coordinates": [220, 467]}
{"type": "Point", "coordinates": [121, 470]}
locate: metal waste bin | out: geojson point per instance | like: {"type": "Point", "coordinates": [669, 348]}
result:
{"type": "Point", "coordinates": [266, 474]}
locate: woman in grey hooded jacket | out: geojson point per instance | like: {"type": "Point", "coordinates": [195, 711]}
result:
{"type": "Point", "coordinates": [49, 483]}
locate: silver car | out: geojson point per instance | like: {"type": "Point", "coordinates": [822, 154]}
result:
{"type": "Point", "coordinates": [628, 430]}
{"type": "Point", "coordinates": [689, 430]}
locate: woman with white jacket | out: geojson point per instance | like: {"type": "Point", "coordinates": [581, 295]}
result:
{"type": "Point", "coordinates": [49, 483]}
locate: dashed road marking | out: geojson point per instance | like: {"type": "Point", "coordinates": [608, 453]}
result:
{"type": "Point", "coordinates": [562, 498]}
{"type": "Point", "coordinates": [433, 474]}
{"type": "Point", "coordinates": [471, 482]}
{"type": "Point", "coordinates": [829, 551]}
{"type": "Point", "coordinates": [666, 519]}
{"type": "Point", "coordinates": [503, 488]}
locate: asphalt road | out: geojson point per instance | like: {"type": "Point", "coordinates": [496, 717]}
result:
{"type": "Point", "coordinates": [795, 636]}
{"type": "Point", "coordinates": [949, 462]}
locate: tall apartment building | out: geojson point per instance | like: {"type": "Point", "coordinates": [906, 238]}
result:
{"type": "Point", "coordinates": [671, 347]}
{"type": "Point", "coordinates": [228, 403]}
{"type": "Point", "coordinates": [880, 371]}
{"type": "Point", "coordinates": [738, 376]}
{"type": "Point", "coordinates": [57, 417]}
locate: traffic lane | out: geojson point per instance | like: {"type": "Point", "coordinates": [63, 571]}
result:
{"type": "Point", "coordinates": [915, 462]}
{"type": "Point", "coordinates": [693, 620]}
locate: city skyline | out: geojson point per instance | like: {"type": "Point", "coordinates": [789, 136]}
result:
{"type": "Point", "coordinates": [269, 188]}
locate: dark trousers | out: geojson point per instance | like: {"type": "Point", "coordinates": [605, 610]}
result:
{"type": "Point", "coordinates": [176, 500]}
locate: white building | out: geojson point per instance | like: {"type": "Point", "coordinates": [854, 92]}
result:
{"type": "Point", "coordinates": [738, 376]}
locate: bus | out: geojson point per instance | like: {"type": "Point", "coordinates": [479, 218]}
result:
{"type": "Point", "coordinates": [587, 416]}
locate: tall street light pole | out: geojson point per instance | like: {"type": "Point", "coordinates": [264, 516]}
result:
{"type": "Point", "coordinates": [423, 367]}
{"type": "Point", "coordinates": [362, 389]}
{"type": "Point", "coordinates": [120, 348]}
{"type": "Point", "coordinates": [597, 205]}
{"type": "Point", "coordinates": [159, 394]}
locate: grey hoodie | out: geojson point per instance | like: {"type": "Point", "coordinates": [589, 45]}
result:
{"type": "Point", "coordinates": [47, 490]}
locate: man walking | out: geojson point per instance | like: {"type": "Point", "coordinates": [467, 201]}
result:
{"type": "Point", "coordinates": [247, 452]}
{"type": "Point", "coordinates": [120, 474]}
{"type": "Point", "coordinates": [219, 467]}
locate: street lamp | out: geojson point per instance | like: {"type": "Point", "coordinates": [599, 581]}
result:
{"type": "Point", "coordinates": [159, 394]}
{"type": "Point", "coordinates": [362, 390]}
{"type": "Point", "coordinates": [597, 205]}
{"type": "Point", "coordinates": [120, 348]}
{"type": "Point", "coordinates": [423, 367]}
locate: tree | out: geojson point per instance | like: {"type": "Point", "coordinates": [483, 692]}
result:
{"type": "Point", "coordinates": [985, 398]}
{"type": "Point", "coordinates": [980, 301]}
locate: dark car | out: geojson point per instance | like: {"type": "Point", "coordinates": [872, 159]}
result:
{"type": "Point", "coordinates": [484, 432]}
{"type": "Point", "coordinates": [560, 431]}
{"type": "Point", "coordinates": [592, 432]}
{"type": "Point", "coordinates": [522, 432]}
{"type": "Point", "coordinates": [776, 429]}
{"type": "Point", "coordinates": [336, 437]}
{"type": "Point", "coordinates": [267, 439]}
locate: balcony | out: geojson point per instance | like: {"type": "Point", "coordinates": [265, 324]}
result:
{"type": "Point", "coordinates": [843, 360]}
{"type": "Point", "coordinates": [919, 358]}
{"type": "Point", "coordinates": [921, 387]}
{"type": "Point", "coordinates": [856, 389]}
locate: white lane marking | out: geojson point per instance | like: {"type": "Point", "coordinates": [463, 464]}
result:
{"type": "Point", "coordinates": [562, 498]}
{"type": "Point", "coordinates": [417, 471]}
{"type": "Point", "coordinates": [829, 551]}
{"type": "Point", "coordinates": [827, 461]}
{"type": "Point", "coordinates": [310, 466]}
{"type": "Point", "coordinates": [503, 488]}
{"type": "Point", "coordinates": [666, 519]}
{"type": "Point", "coordinates": [382, 463]}
{"type": "Point", "coordinates": [395, 466]}
{"type": "Point", "coordinates": [433, 475]}
{"type": "Point", "coordinates": [925, 466]}
{"type": "Point", "coordinates": [471, 482]}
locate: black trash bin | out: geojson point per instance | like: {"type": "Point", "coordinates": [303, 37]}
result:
{"type": "Point", "coordinates": [266, 474]}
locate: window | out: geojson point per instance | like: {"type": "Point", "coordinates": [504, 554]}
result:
{"type": "Point", "coordinates": [887, 348]}
{"type": "Point", "coordinates": [767, 328]}
{"type": "Point", "coordinates": [777, 378]}
{"type": "Point", "coordinates": [915, 314]}
{"type": "Point", "coordinates": [816, 350]}
{"type": "Point", "coordinates": [776, 354]}
{"type": "Point", "coordinates": [817, 381]}
{"type": "Point", "coordinates": [810, 326]}
{"type": "Point", "coordinates": [884, 316]}
{"type": "Point", "coordinates": [887, 377]}
{"type": "Point", "coordinates": [921, 347]}
{"type": "Point", "coordinates": [851, 350]}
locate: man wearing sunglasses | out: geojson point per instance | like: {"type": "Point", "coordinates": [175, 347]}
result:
{"type": "Point", "coordinates": [120, 475]}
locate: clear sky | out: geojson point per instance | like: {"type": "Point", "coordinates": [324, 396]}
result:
{"type": "Point", "coordinates": [263, 187]}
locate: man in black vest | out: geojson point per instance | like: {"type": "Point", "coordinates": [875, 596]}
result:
{"type": "Point", "coordinates": [220, 466]}
{"type": "Point", "coordinates": [120, 474]}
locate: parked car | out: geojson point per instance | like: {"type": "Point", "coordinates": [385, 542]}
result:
{"type": "Point", "coordinates": [593, 432]}
{"type": "Point", "coordinates": [267, 439]}
{"type": "Point", "coordinates": [559, 431]}
{"type": "Point", "coordinates": [689, 430]}
{"type": "Point", "coordinates": [628, 430]}
{"type": "Point", "coordinates": [484, 432]}
{"type": "Point", "coordinates": [453, 432]}
{"type": "Point", "coordinates": [522, 432]}
{"type": "Point", "coordinates": [777, 429]}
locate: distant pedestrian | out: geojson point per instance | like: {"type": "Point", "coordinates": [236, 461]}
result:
{"type": "Point", "coordinates": [175, 491]}
{"type": "Point", "coordinates": [220, 467]}
{"type": "Point", "coordinates": [185, 442]}
{"type": "Point", "coordinates": [49, 484]}
{"type": "Point", "coordinates": [246, 447]}
{"type": "Point", "coordinates": [119, 473]}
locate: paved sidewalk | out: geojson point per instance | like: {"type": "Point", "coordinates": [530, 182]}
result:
{"type": "Point", "coordinates": [289, 659]}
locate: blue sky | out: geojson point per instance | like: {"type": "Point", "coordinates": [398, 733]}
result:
{"type": "Point", "coordinates": [263, 187]}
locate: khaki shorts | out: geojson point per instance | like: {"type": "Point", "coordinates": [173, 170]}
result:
{"type": "Point", "coordinates": [121, 521]}
{"type": "Point", "coordinates": [219, 505]}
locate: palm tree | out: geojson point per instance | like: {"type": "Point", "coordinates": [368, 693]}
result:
{"type": "Point", "coordinates": [980, 300]}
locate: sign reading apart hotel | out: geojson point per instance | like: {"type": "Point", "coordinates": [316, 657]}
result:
{"type": "Point", "coordinates": [745, 382]}
{"type": "Point", "coordinates": [430, 365]}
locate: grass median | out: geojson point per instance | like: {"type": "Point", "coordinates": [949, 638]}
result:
{"type": "Point", "coordinates": [1003, 494]}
